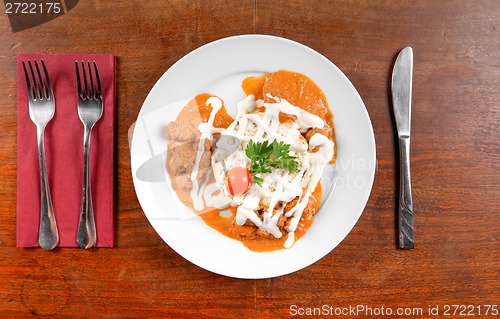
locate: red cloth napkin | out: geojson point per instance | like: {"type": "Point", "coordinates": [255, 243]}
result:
{"type": "Point", "coordinates": [64, 153]}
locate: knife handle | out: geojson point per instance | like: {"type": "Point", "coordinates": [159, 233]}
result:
{"type": "Point", "coordinates": [405, 199]}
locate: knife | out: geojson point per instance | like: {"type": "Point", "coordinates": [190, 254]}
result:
{"type": "Point", "coordinates": [401, 101]}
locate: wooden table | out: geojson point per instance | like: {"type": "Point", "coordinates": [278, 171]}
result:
{"type": "Point", "coordinates": [455, 164]}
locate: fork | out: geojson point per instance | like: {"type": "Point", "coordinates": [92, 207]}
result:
{"type": "Point", "coordinates": [41, 109]}
{"type": "Point", "coordinates": [89, 111]}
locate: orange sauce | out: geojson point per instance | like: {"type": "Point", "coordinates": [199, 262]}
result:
{"type": "Point", "coordinates": [227, 227]}
{"type": "Point", "coordinates": [197, 111]}
{"type": "Point", "coordinates": [253, 85]}
{"type": "Point", "coordinates": [297, 89]}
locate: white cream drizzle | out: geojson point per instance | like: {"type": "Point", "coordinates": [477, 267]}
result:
{"type": "Point", "coordinates": [215, 197]}
{"type": "Point", "coordinates": [207, 130]}
{"type": "Point", "coordinates": [319, 160]}
{"type": "Point", "coordinates": [278, 186]}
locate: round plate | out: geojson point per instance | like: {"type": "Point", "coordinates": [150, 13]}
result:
{"type": "Point", "coordinates": [219, 68]}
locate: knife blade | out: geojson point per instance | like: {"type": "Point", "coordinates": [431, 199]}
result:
{"type": "Point", "coordinates": [401, 100]}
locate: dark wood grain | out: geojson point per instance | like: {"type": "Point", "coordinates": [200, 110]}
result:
{"type": "Point", "coordinates": [455, 161]}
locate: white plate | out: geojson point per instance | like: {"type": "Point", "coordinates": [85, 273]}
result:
{"type": "Point", "coordinates": [218, 68]}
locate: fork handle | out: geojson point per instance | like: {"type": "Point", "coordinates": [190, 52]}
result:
{"type": "Point", "coordinates": [47, 235]}
{"type": "Point", "coordinates": [406, 240]}
{"type": "Point", "coordinates": [86, 236]}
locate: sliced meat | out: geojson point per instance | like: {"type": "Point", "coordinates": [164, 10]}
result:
{"type": "Point", "coordinates": [182, 131]}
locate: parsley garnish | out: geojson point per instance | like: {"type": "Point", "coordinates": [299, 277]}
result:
{"type": "Point", "coordinates": [265, 156]}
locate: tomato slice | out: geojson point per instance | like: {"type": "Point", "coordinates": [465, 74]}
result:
{"type": "Point", "coordinates": [239, 180]}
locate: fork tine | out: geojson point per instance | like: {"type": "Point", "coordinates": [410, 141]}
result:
{"type": "Point", "coordinates": [86, 93]}
{"type": "Point", "coordinates": [28, 81]}
{"type": "Point", "coordinates": [98, 79]}
{"type": "Point", "coordinates": [79, 83]}
{"type": "Point", "coordinates": [36, 87]}
{"type": "Point", "coordinates": [50, 94]}
{"type": "Point", "coordinates": [42, 87]}
{"type": "Point", "coordinates": [92, 91]}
